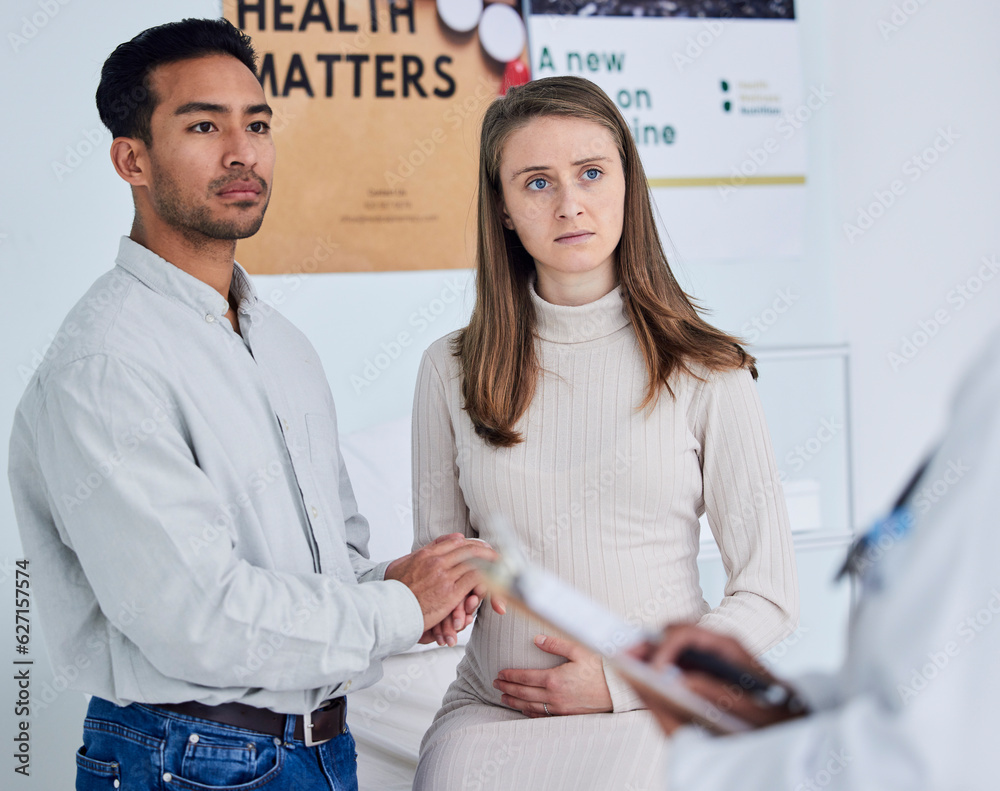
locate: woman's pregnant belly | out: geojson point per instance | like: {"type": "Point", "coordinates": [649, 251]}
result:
{"type": "Point", "coordinates": [502, 642]}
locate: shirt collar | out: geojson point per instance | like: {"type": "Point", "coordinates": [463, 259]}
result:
{"type": "Point", "coordinates": [242, 288]}
{"type": "Point", "coordinates": [577, 324]}
{"type": "Point", "coordinates": [165, 278]}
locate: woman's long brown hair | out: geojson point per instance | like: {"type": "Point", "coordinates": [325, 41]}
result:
{"type": "Point", "coordinates": [497, 349]}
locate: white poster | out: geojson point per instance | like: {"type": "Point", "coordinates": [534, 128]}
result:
{"type": "Point", "coordinates": [712, 91]}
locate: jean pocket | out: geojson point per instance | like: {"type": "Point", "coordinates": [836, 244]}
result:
{"type": "Point", "coordinates": [94, 775]}
{"type": "Point", "coordinates": [213, 761]}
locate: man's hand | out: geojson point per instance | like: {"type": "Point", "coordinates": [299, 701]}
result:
{"type": "Point", "coordinates": [577, 686]}
{"type": "Point", "coordinates": [442, 579]}
{"type": "Point", "coordinates": [446, 632]}
{"type": "Point", "coordinates": [727, 697]}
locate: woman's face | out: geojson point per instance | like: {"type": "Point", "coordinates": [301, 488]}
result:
{"type": "Point", "coordinates": [564, 195]}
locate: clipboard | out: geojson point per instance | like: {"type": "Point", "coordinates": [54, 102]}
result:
{"type": "Point", "coordinates": [564, 608]}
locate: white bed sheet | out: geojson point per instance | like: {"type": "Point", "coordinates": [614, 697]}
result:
{"type": "Point", "coordinates": [389, 719]}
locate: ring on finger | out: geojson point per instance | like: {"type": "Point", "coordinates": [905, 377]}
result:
{"type": "Point", "coordinates": [545, 706]}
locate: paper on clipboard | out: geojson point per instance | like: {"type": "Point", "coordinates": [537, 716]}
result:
{"type": "Point", "coordinates": [560, 605]}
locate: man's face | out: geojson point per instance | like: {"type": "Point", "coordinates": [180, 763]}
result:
{"type": "Point", "coordinates": [212, 156]}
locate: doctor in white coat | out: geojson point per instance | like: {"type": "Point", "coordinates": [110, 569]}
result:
{"type": "Point", "coordinates": [916, 704]}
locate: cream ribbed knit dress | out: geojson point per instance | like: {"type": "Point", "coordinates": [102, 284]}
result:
{"type": "Point", "coordinates": [607, 497]}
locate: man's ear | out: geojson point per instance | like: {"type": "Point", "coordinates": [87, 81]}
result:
{"type": "Point", "coordinates": [128, 155]}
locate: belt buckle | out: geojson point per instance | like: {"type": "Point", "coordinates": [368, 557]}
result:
{"type": "Point", "coordinates": [307, 727]}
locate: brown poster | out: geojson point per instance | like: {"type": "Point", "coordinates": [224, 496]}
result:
{"type": "Point", "coordinates": [377, 111]}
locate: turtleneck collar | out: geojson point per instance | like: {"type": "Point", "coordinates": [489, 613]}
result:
{"type": "Point", "coordinates": [578, 324]}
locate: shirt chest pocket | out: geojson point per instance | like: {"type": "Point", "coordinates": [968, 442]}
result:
{"type": "Point", "coordinates": [322, 435]}
{"type": "Point", "coordinates": [323, 485]}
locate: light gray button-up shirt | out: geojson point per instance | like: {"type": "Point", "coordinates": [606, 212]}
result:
{"type": "Point", "coordinates": [183, 503]}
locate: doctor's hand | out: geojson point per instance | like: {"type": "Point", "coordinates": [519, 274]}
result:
{"type": "Point", "coordinates": [442, 577]}
{"type": "Point", "coordinates": [728, 697]}
{"type": "Point", "coordinates": [577, 686]}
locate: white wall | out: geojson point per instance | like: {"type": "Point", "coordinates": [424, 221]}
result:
{"type": "Point", "coordinates": [890, 98]}
{"type": "Point", "coordinates": [940, 70]}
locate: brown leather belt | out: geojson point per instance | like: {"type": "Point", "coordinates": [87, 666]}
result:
{"type": "Point", "coordinates": [327, 722]}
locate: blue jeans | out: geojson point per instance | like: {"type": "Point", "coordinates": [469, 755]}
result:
{"type": "Point", "coordinates": [142, 748]}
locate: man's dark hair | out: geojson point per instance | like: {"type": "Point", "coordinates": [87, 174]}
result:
{"type": "Point", "coordinates": [124, 97]}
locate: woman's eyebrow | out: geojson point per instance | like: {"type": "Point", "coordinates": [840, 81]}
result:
{"type": "Point", "coordinates": [528, 169]}
{"type": "Point", "coordinates": [579, 162]}
{"type": "Point", "coordinates": [585, 160]}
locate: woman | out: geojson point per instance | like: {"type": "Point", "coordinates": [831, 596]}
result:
{"type": "Point", "coordinates": [590, 405]}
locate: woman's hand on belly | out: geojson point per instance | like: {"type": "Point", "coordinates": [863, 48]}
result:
{"type": "Point", "coordinates": [577, 686]}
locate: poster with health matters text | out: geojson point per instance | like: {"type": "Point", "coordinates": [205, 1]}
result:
{"type": "Point", "coordinates": [377, 109]}
{"type": "Point", "coordinates": [712, 91]}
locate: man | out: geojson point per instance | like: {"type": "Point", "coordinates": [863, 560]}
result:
{"type": "Point", "coordinates": [914, 705]}
{"type": "Point", "coordinates": [195, 543]}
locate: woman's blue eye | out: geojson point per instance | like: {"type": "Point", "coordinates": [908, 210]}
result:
{"type": "Point", "coordinates": [592, 174]}
{"type": "Point", "coordinates": [537, 184]}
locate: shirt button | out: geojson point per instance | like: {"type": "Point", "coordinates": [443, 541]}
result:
{"type": "Point", "coordinates": [167, 777]}
{"type": "Point", "coordinates": [209, 318]}
{"type": "Point", "coordinates": [193, 738]}
{"type": "Point", "coordinates": [117, 784]}
{"type": "Point", "coordinates": [314, 511]}
{"type": "Point", "coordinates": [347, 686]}
{"type": "Point", "coordinates": [285, 424]}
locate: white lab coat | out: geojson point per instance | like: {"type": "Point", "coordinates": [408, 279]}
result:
{"type": "Point", "coordinates": [917, 702]}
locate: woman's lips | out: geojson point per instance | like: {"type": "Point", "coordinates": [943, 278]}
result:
{"type": "Point", "coordinates": [575, 237]}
